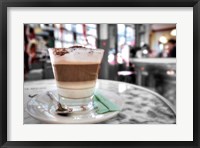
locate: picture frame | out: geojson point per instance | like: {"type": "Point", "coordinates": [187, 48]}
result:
{"type": "Point", "coordinates": [4, 4]}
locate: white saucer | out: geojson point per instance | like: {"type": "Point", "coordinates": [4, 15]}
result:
{"type": "Point", "coordinates": [42, 108]}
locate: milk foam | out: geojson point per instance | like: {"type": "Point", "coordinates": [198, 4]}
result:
{"type": "Point", "coordinates": [78, 56]}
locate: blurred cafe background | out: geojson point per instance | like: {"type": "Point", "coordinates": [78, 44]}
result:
{"type": "Point", "coordinates": [141, 54]}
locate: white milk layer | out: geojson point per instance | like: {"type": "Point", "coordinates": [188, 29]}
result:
{"type": "Point", "coordinates": [76, 85]}
{"type": "Point", "coordinates": [76, 90]}
{"type": "Point", "coordinates": [75, 93]}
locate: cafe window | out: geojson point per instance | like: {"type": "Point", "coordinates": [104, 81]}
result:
{"type": "Point", "coordinates": [130, 36]}
{"type": "Point", "coordinates": [68, 27]}
{"type": "Point", "coordinates": [126, 36]}
{"type": "Point", "coordinates": [79, 28]}
{"type": "Point", "coordinates": [68, 37]}
{"type": "Point", "coordinates": [81, 39]}
{"type": "Point", "coordinates": [68, 34]}
{"type": "Point", "coordinates": [126, 39]}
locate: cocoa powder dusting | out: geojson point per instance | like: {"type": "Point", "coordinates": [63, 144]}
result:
{"type": "Point", "coordinates": [60, 51]}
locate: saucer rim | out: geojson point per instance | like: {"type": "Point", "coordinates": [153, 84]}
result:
{"type": "Point", "coordinates": [105, 116]}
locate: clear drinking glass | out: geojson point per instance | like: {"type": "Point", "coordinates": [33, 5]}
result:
{"type": "Point", "coordinates": [76, 71]}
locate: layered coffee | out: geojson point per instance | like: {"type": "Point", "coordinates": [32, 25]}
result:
{"type": "Point", "coordinates": [76, 70]}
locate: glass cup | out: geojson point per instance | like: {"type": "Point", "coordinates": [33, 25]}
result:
{"type": "Point", "coordinates": [76, 71]}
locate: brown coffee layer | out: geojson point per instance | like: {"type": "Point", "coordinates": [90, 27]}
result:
{"type": "Point", "coordinates": [76, 73]}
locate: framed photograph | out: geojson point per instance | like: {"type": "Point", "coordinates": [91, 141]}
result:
{"type": "Point", "coordinates": [104, 73]}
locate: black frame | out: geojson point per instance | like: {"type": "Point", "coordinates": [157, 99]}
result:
{"type": "Point", "coordinates": [99, 3]}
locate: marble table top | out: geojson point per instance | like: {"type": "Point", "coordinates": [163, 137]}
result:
{"type": "Point", "coordinates": [141, 106]}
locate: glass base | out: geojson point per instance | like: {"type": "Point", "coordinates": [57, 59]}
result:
{"type": "Point", "coordinates": [77, 105]}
